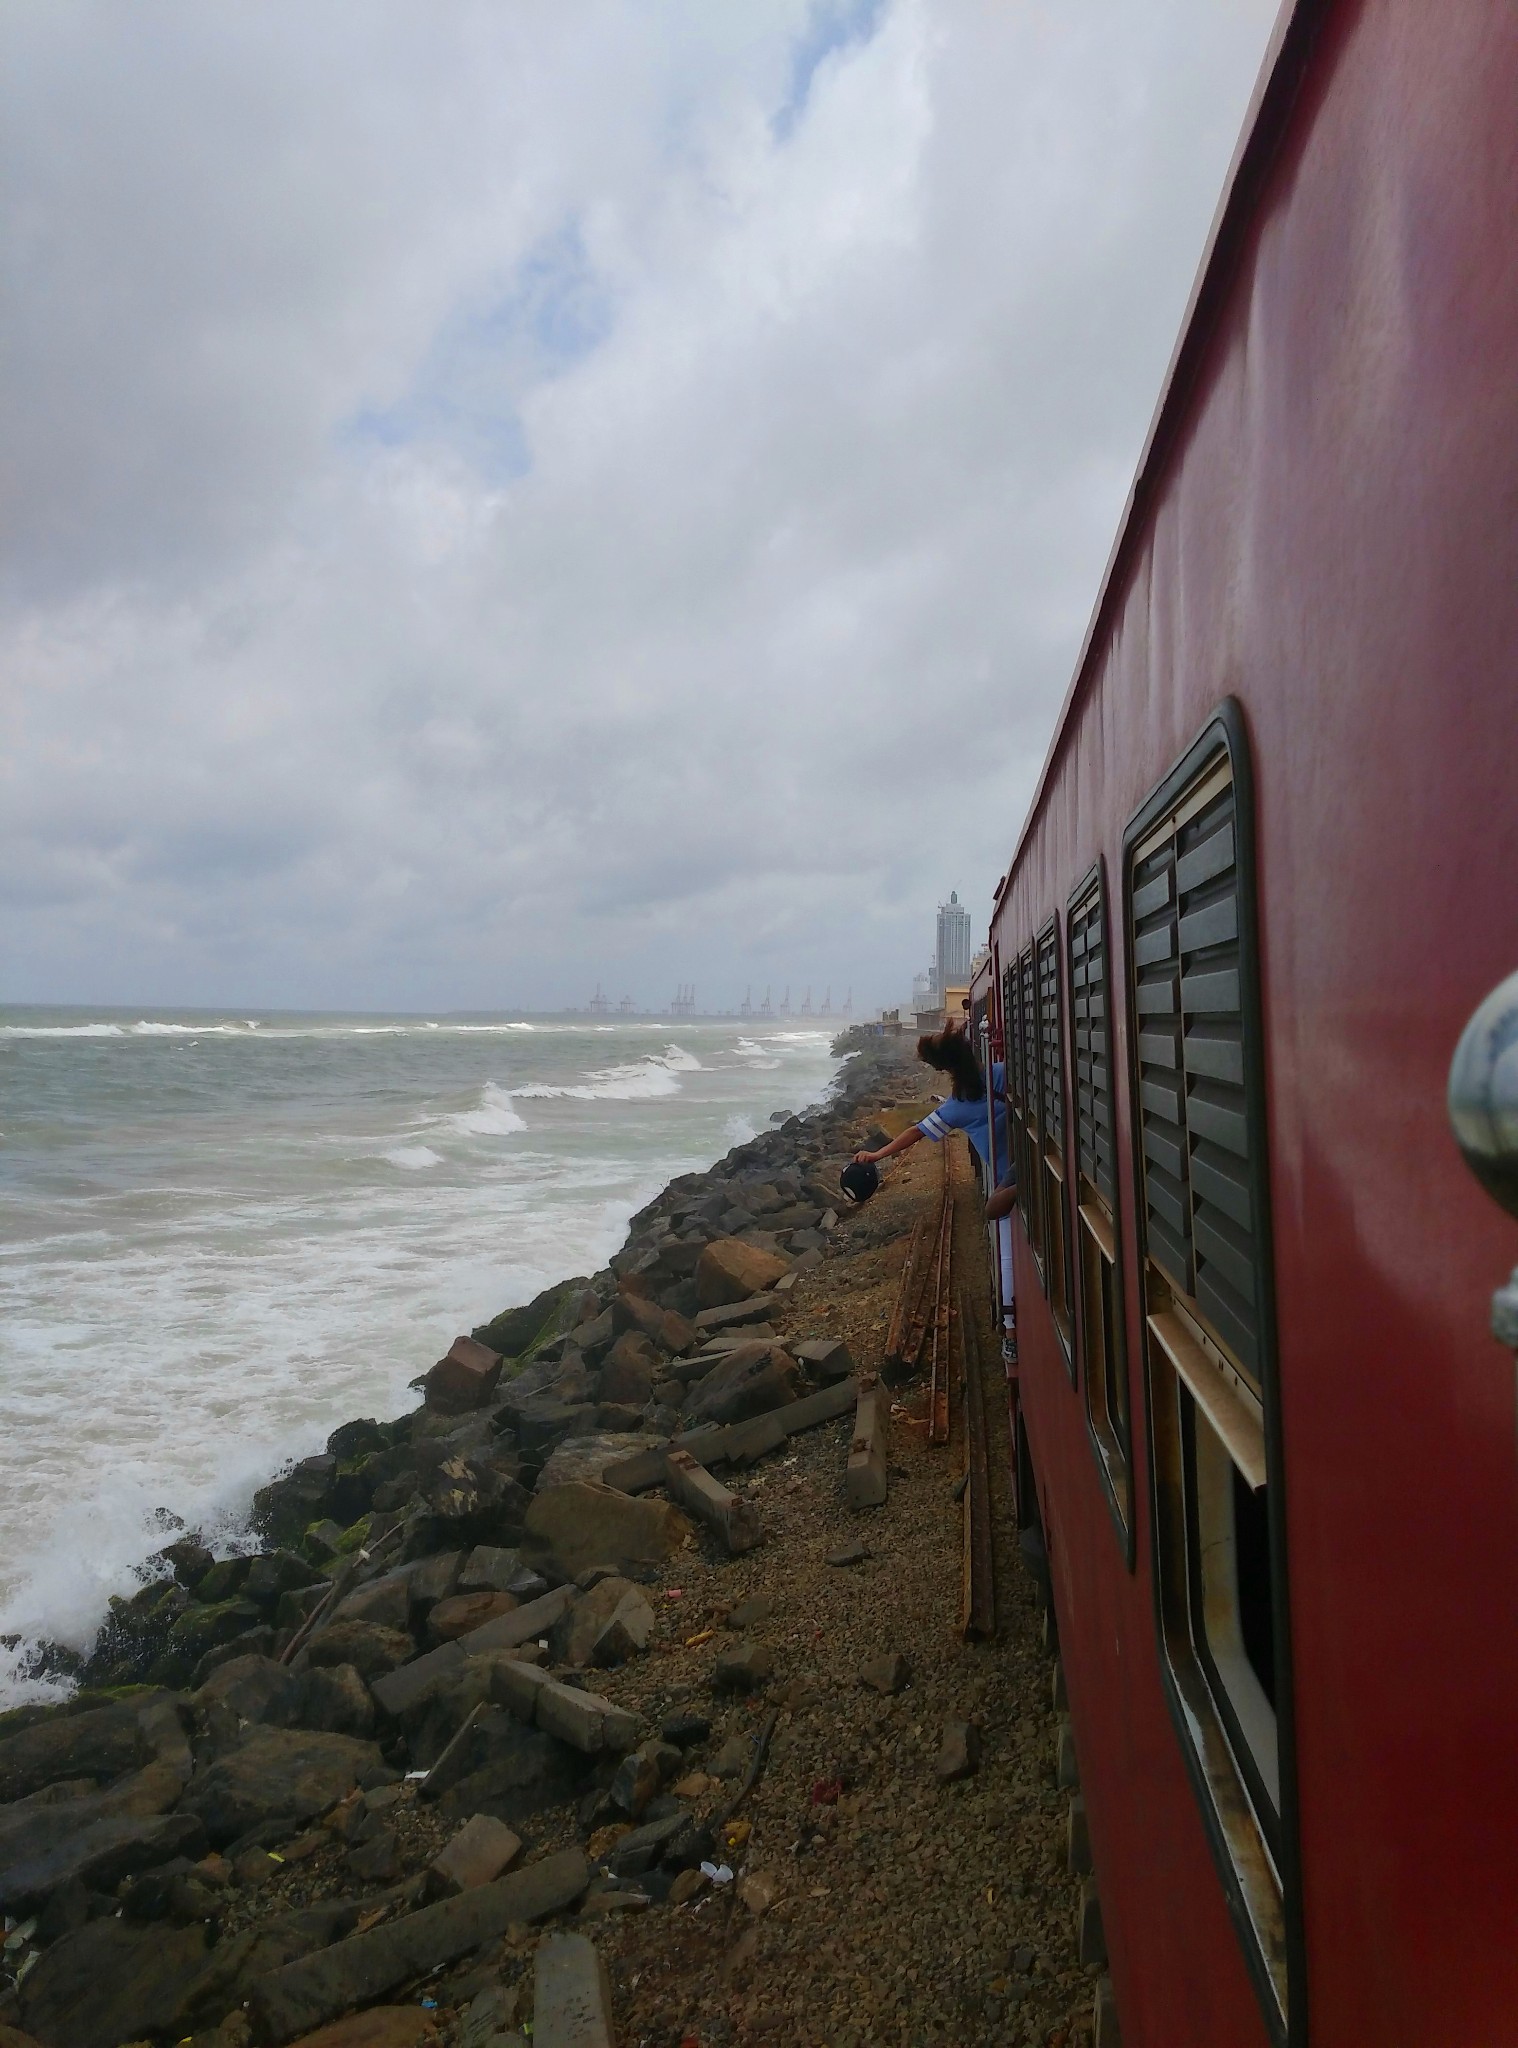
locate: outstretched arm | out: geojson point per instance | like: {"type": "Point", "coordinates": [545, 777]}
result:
{"type": "Point", "coordinates": [1001, 1201]}
{"type": "Point", "coordinates": [908, 1138]}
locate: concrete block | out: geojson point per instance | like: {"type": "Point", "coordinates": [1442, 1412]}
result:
{"type": "Point", "coordinates": [571, 2001]}
{"type": "Point", "coordinates": [465, 1378]}
{"type": "Point", "coordinates": [402, 1688]}
{"type": "Point", "coordinates": [1077, 1839]}
{"type": "Point", "coordinates": [524, 1625]}
{"type": "Point", "coordinates": [1090, 1940]}
{"type": "Point", "coordinates": [516, 1686]}
{"type": "Point", "coordinates": [1067, 1774]}
{"type": "Point", "coordinates": [825, 1358]}
{"type": "Point", "coordinates": [865, 1481]}
{"type": "Point", "coordinates": [826, 1405]}
{"type": "Point", "coordinates": [734, 1520]}
{"type": "Point", "coordinates": [309, 1992]}
{"type": "Point", "coordinates": [1105, 2029]}
{"type": "Point", "coordinates": [750, 1441]}
{"type": "Point", "coordinates": [734, 1313]}
{"type": "Point", "coordinates": [583, 1719]}
{"type": "Point", "coordinates": [479, 1853]}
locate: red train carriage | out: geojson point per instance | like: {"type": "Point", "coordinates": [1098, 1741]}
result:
{"type": "Point", "coordinates": [1270, 868]}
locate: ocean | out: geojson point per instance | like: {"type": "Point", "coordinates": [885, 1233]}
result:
{"type": "Point", "coordinates": [223, 1235]}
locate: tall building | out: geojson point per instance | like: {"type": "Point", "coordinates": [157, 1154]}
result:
{"type": "Point", "coordinates": [952, 963]}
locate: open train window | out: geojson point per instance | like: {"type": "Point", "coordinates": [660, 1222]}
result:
{"type": "Point", "coordinates": [1200, 1171]}
{"type": "Point", "coordinates": [1029, 1186]}
{"type": "Point", "coordinates": [1099, 1273]}
{"type": "Point", "coordinates": [1058, 1272]}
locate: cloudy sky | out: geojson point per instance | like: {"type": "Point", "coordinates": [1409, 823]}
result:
{"type": "Point", "coordinates": [497, 496]}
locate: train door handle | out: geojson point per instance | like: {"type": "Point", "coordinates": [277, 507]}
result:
{"type": "Point", "coordinates": [1483, 1114]}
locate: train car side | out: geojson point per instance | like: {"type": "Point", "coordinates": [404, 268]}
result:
{"type": "Point", "coordinates": [1324, 535]}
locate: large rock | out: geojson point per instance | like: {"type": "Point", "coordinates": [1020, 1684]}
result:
{"type": "Point", "coordinates": [587, 1457]}
{"type": "Point", "coordinates": [546, 1420]}
{"type": "Point", "coordinates": [303, 1995]}
{"type": "Point", "coordinates": [605, 1626]}
{"type": "Point", "coordinates": [281, 1774]}
{"type": "Point", "coordinates": [100, 1744]}
{"type": "Point", "coordinates": [471, 1501]}
{"type": "Point", "coordinates": [751, 1380]}
{"type": "Point", "coordinates": [255, 1688]}
{"type": "Point", "coordinates": [511, 1771]}
{"type": "Point", "coordinates": [111, 1982]}
{"type": "Point", "coordinates": [519, 1330]}
{"type": "Point", "coordinates": [575, 1526]}
{"type": "Point", "coordinates": [382, 2026]}
{"type": "Point", "coordinates": [670, 1332]}
{"type": "Point", "coordinates": [91, 1840]}
{"type": "Point", "coordinates": [462, 1379]}
{"type": "Point", "coordinates": [371, 1650]}
{"type": "Point", "coordinates": [730, 1270]}
{"type": "Point", "coordinates": [334, 1699]}
{"type": "Point", "coordinates": [238, 1961]}
{"type": "Point", "coordinates": [627, 1376]}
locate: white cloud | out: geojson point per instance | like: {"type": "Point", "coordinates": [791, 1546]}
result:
{"type": "Point", "coordinates": [498, 500]}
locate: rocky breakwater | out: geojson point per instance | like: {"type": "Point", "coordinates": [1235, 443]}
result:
{"type": "Point", "coordinates": [303, 1782]}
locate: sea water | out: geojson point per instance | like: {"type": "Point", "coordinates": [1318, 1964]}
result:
{"type": "Point", "coordinates": [220, 1236]}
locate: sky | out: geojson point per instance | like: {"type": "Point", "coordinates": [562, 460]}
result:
{"type": "Point", "coordinates": [500, 498]}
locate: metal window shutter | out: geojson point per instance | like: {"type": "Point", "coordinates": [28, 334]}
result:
{"type": "Point", "coordinates": [1011, 1029]}
{"type": "Point", "coordinates": [1028, 1044]}
{"type": "Point", "coordinates": [1051, 1050]}
{"type": "Point", "coordinates": [1224, 1244]}
{"type": "Point", "coordinates": [1154, 949]}
{"type": "Point", "coordinates": [1088, 1020]}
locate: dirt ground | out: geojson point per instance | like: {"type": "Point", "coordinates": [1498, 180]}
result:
{"type": "Point", "coordinates": [901, 1910]}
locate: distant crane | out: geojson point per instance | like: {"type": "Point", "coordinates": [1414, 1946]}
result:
{"type": "Point", "coordinates": [627, 1007]}
{"type": "Point", "coordinates": [848, 1005]}
{"type": "Point", "coordinates": [684, 1004]}
{"type": "Point", "coordinates": [598, 1003]}
{"type": "Point", "coordinates": [827, 1003]}
{"type": "Point", "coordinates": [746, 1007]}
{"type": "Point", "coordinates": [806, 1007]}
{"type": "Point", "coordinates": [765, 1008]}
{"type": "Point", "coordinates": [785, 1001]}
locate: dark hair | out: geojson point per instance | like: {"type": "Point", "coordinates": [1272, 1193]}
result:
{"type": "Point", "coordinates": [949, 1051]}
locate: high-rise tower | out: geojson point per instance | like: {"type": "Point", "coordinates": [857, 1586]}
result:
{"type": "Point", "coordinates": [952, 959]}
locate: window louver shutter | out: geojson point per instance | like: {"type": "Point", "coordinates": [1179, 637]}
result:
{"type": "Point", "coordinates": [1088, 1012]}
{"type": "Point", "coordinates": [1224, 1250]}
{"type": "Point", "coordinates": [1162, 1107]}
{"type": "Point", "coordinates": [1027, 1038]}
{"type": "Point", "coordinates": [1009, 1028]}
{"type": "Point", "coordinates": [1051, 1051]}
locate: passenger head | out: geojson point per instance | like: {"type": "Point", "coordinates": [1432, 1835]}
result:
{"type": "Point", "coordinates": [949, 1052]}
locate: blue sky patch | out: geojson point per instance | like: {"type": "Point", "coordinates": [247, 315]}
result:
{"type": "Point", "coordinates": [832, 25]}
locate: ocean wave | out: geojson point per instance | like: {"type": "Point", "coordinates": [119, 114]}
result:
{"type": "Point", "coordinates": [415, 1158]}
{"type": "Point", "coordinates": [492, 1117]}
{"type": "Point", "coordinates": [61, 1031]}
{"type": "Point", "coordinates": [640, 1081]}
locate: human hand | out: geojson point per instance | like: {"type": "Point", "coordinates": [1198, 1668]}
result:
{"type": "Point", "coordinates": [865, 1158]}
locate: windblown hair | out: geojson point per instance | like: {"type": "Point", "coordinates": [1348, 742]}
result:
{"type": "Point", "coordinates": [949, 1051]}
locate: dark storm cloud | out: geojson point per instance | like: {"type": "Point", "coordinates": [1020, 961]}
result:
{"type": "Point", "coordinates": [500, 498]}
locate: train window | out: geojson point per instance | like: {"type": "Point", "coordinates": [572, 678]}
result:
{"type": "Point", "coordinates": [1058, 1277]}
{"type": "Point", "coordinates": [1200, 1171]}
{"type": "Point", "coordinates": [1029, 1188]}
{"type": "Point", "coordinates": [1099, 1281]}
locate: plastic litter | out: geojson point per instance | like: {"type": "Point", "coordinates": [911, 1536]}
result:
{"type": "Point", "coordinates": [718, 1873]}
{"type": "Point", "coordinates": [413, 1776]}
{"type": "Point", "coordinates": [702, 1635]}
{"type": "Point", "coordinates": [736, 1833]}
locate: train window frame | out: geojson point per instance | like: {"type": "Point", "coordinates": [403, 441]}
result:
{"type": "Point", "coordinates": [1099, 1290]}
{"type": "Point", "coordinates": [1051, 1159]}
{"type": "Point", "coordinates": [1204, 1367]}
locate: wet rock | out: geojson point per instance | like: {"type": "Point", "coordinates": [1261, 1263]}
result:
{"type": "Point", "coordinates": [385, 1601]}
{"type": "Point", "coordinates": [254, 1688]}
{"type": "Point", "coordinates": [627, 1374]}
{"type": "Point", "coordinates": [582, 1524]}
{"type": "Point", "coordinates": [518, 1331]}
{"type": "Point", "coordinates": [742, 1667]}
{"type": "Point", "coordinates": [334, 1700]}
{"type": "Point", "coordinates": [958, 1752]}
{"type": "Point", "coordinates": [887, 1674]}
{"type": "Point", "coordinates": [188, 1560]}
{"type": "Point", "coordinates": [111, 1982]}
{"type": "Point", "coordinates": [280, 1773]}
{"type": "Point", "coordinates": [463, 1379]}
{"type": "Point", "coordinates": [275, 1573]}
{"type": "Point", "coordinates": [46, 1847]}
{"type": "Point", "coordinates": [372, 1651]}
{"type": "Point", "coordinates": [729, 1270]}
{"type": "Point", "coordinates": [751, 1380]}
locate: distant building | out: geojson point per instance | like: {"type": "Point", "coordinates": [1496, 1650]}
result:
{"type": "Point", "coordinates": [924, 991]}
{"type": "Point", "coordinates": [952, 960]}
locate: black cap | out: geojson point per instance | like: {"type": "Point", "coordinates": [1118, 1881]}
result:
{"type": "Point", "coordinates": [859, 1179]}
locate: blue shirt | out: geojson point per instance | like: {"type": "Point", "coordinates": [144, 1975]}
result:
{"type": "Point", "coordinates": [970, 1117]}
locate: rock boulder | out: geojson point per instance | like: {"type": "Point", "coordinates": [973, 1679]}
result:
{"type": "Point", "coordinates": [730, 1270]}
{"type": "Point", "coordinates": [573, 1527]}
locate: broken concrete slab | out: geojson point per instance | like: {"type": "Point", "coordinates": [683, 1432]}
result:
{"type": "Point", "coordinates": [524, 1625]}
{"type": "Point", "coordinates": [307, 1993]}
{"type": "Point", "coordinates": [734, 1313]}
{"type": "Point", "coordinates": [571, 1994]}
{"type": "Point", "coordinates": [750, 1380]}
{"type": "Point", "coordinates": [866, 1480]}
{"type": "Point", "coordinates": [401, 1689]}
{"type": "Point", "coordinates": [583, 1719]}
{"type": "Point", "coordinates": [482, 1850]}
{"type": "Point", "coordinates": [825, 1358]}
{"type": "Point", "coordinates": [735, 1520]}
